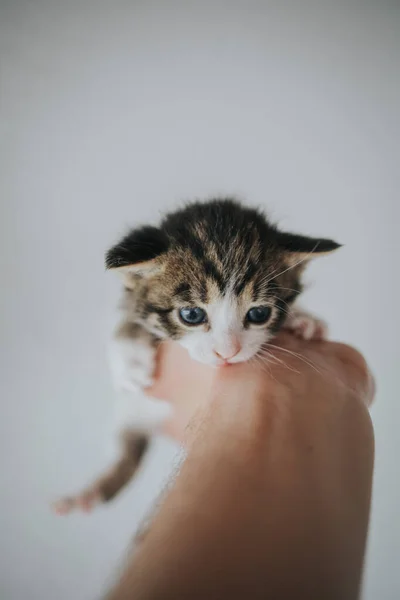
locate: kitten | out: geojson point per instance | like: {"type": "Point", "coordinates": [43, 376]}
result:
{"type": "Point", "coordinates": [216, 277]}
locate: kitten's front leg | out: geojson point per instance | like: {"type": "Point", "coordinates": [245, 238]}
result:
{"type": "Point", "coordinates": [305, 325]}
{"type": "Point", "coordinates": [132, 357]}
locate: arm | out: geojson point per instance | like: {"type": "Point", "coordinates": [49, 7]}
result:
{"type": "Point", "coordinates": [273, 499]}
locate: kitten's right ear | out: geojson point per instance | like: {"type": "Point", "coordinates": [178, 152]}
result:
{"type": "Point", "coordinates": [137, 250]}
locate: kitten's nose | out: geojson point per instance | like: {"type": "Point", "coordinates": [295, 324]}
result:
{"type": "Point", "coordinates": [233, 351]}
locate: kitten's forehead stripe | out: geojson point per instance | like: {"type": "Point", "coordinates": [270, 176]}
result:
{"type": "Point", "coordinates": [246, 278]}
{"type": "Point", "coordinates": [183, 291]}
{"type": "Point", "coordinates": [196, 247]}
{"type": "Point", "coordinates": [203, 291]}
{"type": "Point", "coordinates": [212, 272]}
{"type": "Point", "coordinates": [182, 288]}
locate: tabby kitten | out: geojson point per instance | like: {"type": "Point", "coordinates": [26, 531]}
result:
{"type": "Point", "coordinates": [218, 278]}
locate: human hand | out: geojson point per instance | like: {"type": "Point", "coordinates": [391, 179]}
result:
{"type": "Point", "coordinates": [275, 490]}
{"type": "Point", "coordinates": [288, 363]}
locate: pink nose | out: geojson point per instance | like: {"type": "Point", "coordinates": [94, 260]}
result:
{"type": "Point", "coordinates": [224, 356]}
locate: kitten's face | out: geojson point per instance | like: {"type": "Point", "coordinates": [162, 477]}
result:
{"type": "Point", "coordinates": [221, 308]}
{"type": "Point", "coordinates": [231, 328]}
{"type": "Point", "coordinates": [217, 277]}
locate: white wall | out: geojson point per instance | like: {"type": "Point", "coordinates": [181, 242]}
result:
{"type": "Point", "coordinates": [115, 111]}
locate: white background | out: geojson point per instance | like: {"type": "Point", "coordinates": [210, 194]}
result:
{"type": "Point", "coordinates": [114, 112]}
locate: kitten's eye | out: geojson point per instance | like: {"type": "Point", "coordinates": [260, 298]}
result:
{"type": "Point", "coordinates": [258, 314]}
{"type": "Point", "coordinates": [192, 316]}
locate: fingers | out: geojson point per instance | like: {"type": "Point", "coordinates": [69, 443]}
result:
{"type": "Point", "coordinates": [344, 361]}
{"type": "Point", "coordinates": [357, 372]}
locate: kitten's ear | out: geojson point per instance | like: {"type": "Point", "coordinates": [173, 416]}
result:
{"type": "Point", "coordinates": [302, 248]}
{"type": "Point", "coordinates": [137, 250]}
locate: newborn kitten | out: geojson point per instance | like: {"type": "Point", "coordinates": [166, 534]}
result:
{"type": "Point", "coordinates": [218, 278]}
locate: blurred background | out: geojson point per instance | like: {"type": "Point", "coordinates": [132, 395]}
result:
{"type": "Point", "coordinates": [114, 112]}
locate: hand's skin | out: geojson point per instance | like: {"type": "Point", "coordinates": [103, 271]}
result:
{"type": "Point", "coordinates": [187, 384]}
{"type": "Point", "coordinates": [273, 499]}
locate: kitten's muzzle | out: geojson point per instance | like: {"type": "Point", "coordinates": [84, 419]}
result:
{"type": "Point", "coordinates": [227, 356]}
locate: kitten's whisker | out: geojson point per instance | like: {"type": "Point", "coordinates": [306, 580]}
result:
{"type": "Point", "coordinates": [287, 312]}
{"type": "Point", "coordinates": [265, 357]}
{"type": "Point", "coordinates": [268, 276]}
{"type": "Point", "coordinates": [258, 363]}
{"type": "Point", "coordinates": [325, 370]}
{"type": "Point", "coordinates": [289, 289]}
{"type": "Point", "coordinates": [296, 355]}
{"type": "Point", "coordinates": [257, 359]}
{"type": "Point", "coordinates": [279, 361]}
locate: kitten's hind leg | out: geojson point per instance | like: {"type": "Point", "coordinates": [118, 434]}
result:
{"type": "Point", "coordinates": [133, 447]}
{"type": "Point", "coordinates": [137, 415]}
{"type": "Point", "coordinates": [305, 325]}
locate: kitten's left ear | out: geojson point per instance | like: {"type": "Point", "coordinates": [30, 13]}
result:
{"type": "Point", "coordinates": [138, 250]}
{"type": "Point", "coordinates": [302, 248]}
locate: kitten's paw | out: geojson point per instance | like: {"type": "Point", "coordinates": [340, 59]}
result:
{"type": "Point", "coordinates": [84, 502]}
{"type": "Point", "coordinates": [135, 376]}
{"type": "Point", "coordinates": [306, 326]}
{"type": "Point", "coordinates": [132, 365]}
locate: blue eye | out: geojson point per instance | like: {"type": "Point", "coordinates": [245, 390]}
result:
{"type": "Point", "coordinates": [258, 315]}
{"type": "Point", "coordinates": [192, 316]}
